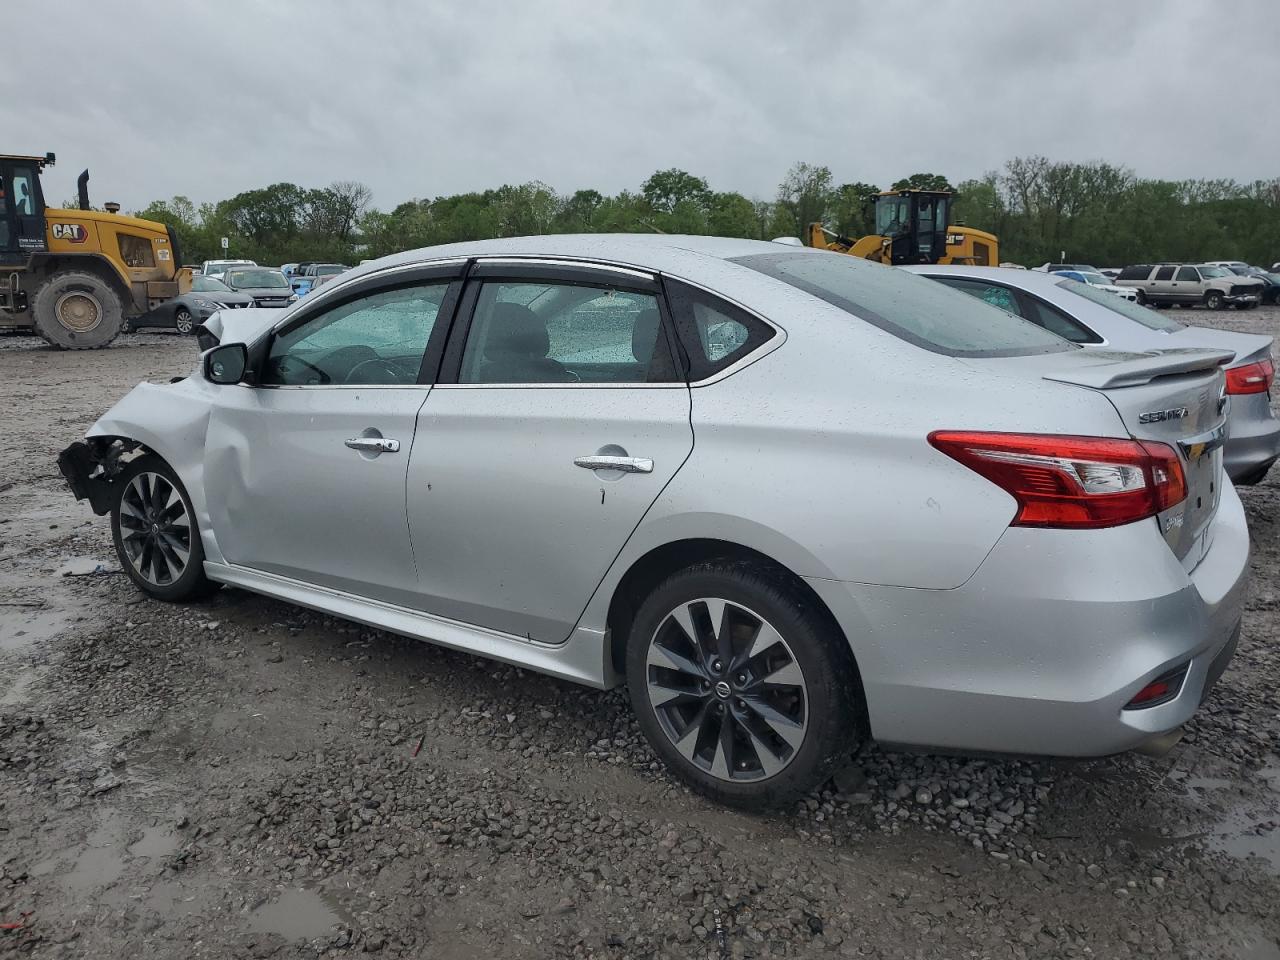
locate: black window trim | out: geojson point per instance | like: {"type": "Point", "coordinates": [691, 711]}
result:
{"type": "Point", "coordinates": [382, 281]}
{"type": "Point", "coordinates": [566, 271]}
{"type": "Point", "coordinates": [776, 338]}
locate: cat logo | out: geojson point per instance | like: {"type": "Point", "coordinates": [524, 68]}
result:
{"type": "Point", "coordinates": [71, 232]}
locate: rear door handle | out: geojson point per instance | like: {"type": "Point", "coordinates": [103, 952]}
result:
{"type": "Point", "coordinates": [625, 464]}
{"type": "Point", "coordinates": [374, 444]}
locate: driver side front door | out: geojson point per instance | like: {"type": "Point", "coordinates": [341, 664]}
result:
{"type": "Point", "coordinates": [305, 471]}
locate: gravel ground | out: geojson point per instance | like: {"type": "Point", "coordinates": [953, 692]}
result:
{"type": "Point", "coordinates": [244, 778]}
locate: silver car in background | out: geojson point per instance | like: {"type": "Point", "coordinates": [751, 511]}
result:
{"type": "Point", "coordinates": [1086, 315]}
{"type": "Point", "coordinates": [792, 499]}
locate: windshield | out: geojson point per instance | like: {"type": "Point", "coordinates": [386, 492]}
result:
{"type": "Point", "coordinates": [912, 308]}
{"type": "Point", "coordinates": [256, 278]}
{"type": "Point", "coordinates": [893, 215]}
{"type": "Point", "coordinates": [1127, 308]}
{"type": "Point", "coordinates": [1215, 272]}
{"type": "Point", "coordinates": [1097, 279]}
{"type": "Point", "coordinates": [208, 285]}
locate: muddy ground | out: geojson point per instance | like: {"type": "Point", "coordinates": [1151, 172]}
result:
{"type": "Point", "coordinates": [238, 778]}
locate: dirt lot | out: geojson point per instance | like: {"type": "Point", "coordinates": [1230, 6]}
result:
{"type": "Point", "coordinates": [239, 778]}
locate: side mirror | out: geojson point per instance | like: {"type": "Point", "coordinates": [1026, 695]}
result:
{"type": "Point", "coordinates": [226, 364]}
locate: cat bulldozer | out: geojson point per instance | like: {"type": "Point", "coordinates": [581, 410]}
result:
{"type": "Point", "coordinates": [76, 277]}
{"type": "Point", "coordinates": [913, 226]}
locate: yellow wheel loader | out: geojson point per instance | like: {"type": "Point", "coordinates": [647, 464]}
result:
{"type": "Point", "coordinates": [76, 277]}
{"type": "Point", "coordinates": [913, 226]}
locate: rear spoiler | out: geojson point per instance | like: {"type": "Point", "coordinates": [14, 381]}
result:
{"type": "Point", "coordinates": [1135, 369]}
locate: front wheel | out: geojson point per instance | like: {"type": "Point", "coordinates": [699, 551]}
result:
{"type": "Point", "coordinates": [183, 322]}
{"type": "Point", "coordinates": [1213, 300]}
{"type": "Point", "coordinates": [743, 687]}
{"type": "Point", "coordinates": [77, 310]}
{"type": "Point", "coordinates": [154, 530]}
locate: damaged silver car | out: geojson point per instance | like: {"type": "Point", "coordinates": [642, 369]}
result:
{"type": "Point", "coordinates": [792, 500]}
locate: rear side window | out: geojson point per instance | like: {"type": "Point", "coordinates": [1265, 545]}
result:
{"type": "Point", "coordinates": [913, 308]}
{"type": "Point", "coordinates": [1164, 273]}
{"type": "Point", "coordinates": [715, 334]}
{"type": "Point", "coordinates": [1139, 272]}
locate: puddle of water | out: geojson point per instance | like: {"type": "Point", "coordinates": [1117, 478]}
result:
{"type": "Point", "coordinates": [1241, 837]}
{"type": "Point", "coordinates": [20, 627]}
{"type": "Point", "coordinates": [297, 915]}
{"type": "Point", "coordinates": [156, 842]}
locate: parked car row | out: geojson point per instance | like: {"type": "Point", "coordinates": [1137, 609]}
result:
{"type": "Point", "coordinates": [792, 499]}
{"type": "Point", "coordinates": [1215, 285]}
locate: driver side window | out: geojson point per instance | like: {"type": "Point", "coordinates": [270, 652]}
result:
{"type": "Point", "coordinates": [378, 339]}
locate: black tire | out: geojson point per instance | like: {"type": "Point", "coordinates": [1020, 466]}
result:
{"type": "Point", "coordinates": [183, 321]}
{"type": "Point", "coordinates": [77, 310]}
{"type": "Point", "coordinates": [1213, 300]}
{"type": "Point", "coordinates": [188, 584]}
{"type": "Point", "coordinates": [1142, 298]}
{"type": "Point", "coordinates": [831, 692]}
{"type": "Point", "coordinates": [1163, 306]}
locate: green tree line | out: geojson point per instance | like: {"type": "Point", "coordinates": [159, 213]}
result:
{"type": "Point", "coordinates": [1040, 209]}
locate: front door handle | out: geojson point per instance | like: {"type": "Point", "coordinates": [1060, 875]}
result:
{"type": "Point", "coordinates": [374, 444]}
{"type": "Point", "coordinates": [624, 464]}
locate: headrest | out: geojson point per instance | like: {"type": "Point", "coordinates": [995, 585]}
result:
{"type": "Point", "coordinates": [644, 335]}
{"type": "Point", "coordinates": [515, 331]}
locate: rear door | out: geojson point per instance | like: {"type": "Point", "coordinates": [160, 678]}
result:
{"type": "Point", "coordinates": [1186, 284]}
{"type": "Point", "coordinates": [558, 418]}
{"type": "Point", "coordinates": [1162, 287]}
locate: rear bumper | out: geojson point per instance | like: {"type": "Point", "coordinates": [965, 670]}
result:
{"type": "Point", "coordinates": [1042, 649]}
{"type": "Point", "coordinates": [1253, 442]}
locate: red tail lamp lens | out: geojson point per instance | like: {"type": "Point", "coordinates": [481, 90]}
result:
{"type": "Point", "coordinates": [1069, 481]}
{"type": "Point", "coordinates": [1251, 378]}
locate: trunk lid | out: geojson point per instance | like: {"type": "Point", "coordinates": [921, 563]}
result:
{"type": "Point", "coordinates": [1175, 397]}
{"type": "Point", "coordinates": [1248, 347]}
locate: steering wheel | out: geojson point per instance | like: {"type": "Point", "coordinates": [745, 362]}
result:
{"type": "Point", "coordinates": [375, 370]}
{"type": "Point", "coordinates": [289, 358]}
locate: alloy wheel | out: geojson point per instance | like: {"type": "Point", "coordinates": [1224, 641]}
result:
{"type": "Point", "coordinates": [155, 528]}
{"type": "Point", "coordinates": [727, 690]}
{"type": "Point", "coordinates": [182, 321]}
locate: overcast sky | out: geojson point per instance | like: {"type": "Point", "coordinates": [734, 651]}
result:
{"type": "Point", "coordinates": [420, 99]}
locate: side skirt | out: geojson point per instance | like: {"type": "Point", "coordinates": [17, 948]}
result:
{"type": "Point", "coordinates": [583, 658]}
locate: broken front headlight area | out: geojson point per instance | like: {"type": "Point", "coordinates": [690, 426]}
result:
{"type": "Point", "coordinates": [91, 466]}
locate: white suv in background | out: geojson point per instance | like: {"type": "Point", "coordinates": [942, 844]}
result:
{"type": "Point", "coordinates": [1187, 284]}
{"type": "Point", "coordinates": [216, 268]}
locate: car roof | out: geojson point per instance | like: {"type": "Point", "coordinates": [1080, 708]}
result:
{"type": "Point", "coordinates": [662, 252]}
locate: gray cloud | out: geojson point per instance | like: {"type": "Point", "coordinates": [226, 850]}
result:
{"type": "Point", "coordinates": [421, 99]}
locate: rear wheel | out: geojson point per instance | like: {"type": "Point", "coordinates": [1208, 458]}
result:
{"type": "Point", "coordinates": [183, 322]}
{"type": "Point", "coordinates": [1213, 300]}
{"type": "Point", "coordinates": [745, 690]}
{"type": "Point", "coordinates": [1141, 298]}
{"type": "Point", "coordinates": [154, 530]}
{"type": "Point", "coordinates": [76, 310]}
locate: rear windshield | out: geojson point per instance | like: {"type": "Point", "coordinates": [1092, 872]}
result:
{"type": "Point", "coordinates": [916, 309]}
{"type": "Point", "coordinates": [1144, 315]}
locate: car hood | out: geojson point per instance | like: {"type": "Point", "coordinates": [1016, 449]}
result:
{"type": "Point", "coordinates": [1248, 347]}
{"type": "Point", "coordinates": [242, 326]}
{"type": "Point", "coordinates": [1237, 279]}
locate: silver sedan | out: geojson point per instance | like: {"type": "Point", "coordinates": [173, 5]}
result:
{"type": "Point", "coordinates": [1093, 317]}
{"type": "Point", "coordinates": [791, 499]}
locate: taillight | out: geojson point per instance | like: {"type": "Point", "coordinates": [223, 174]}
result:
{"type": "Point", "coordinates": [1064, 481]}
{"type": "Point", "coordinates": [1252, 377]}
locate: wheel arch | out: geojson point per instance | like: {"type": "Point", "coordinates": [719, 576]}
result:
{"type": "Point", "coordinates": [45, 265]}
{"type": "Point", "coordinates": [651, 568]}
